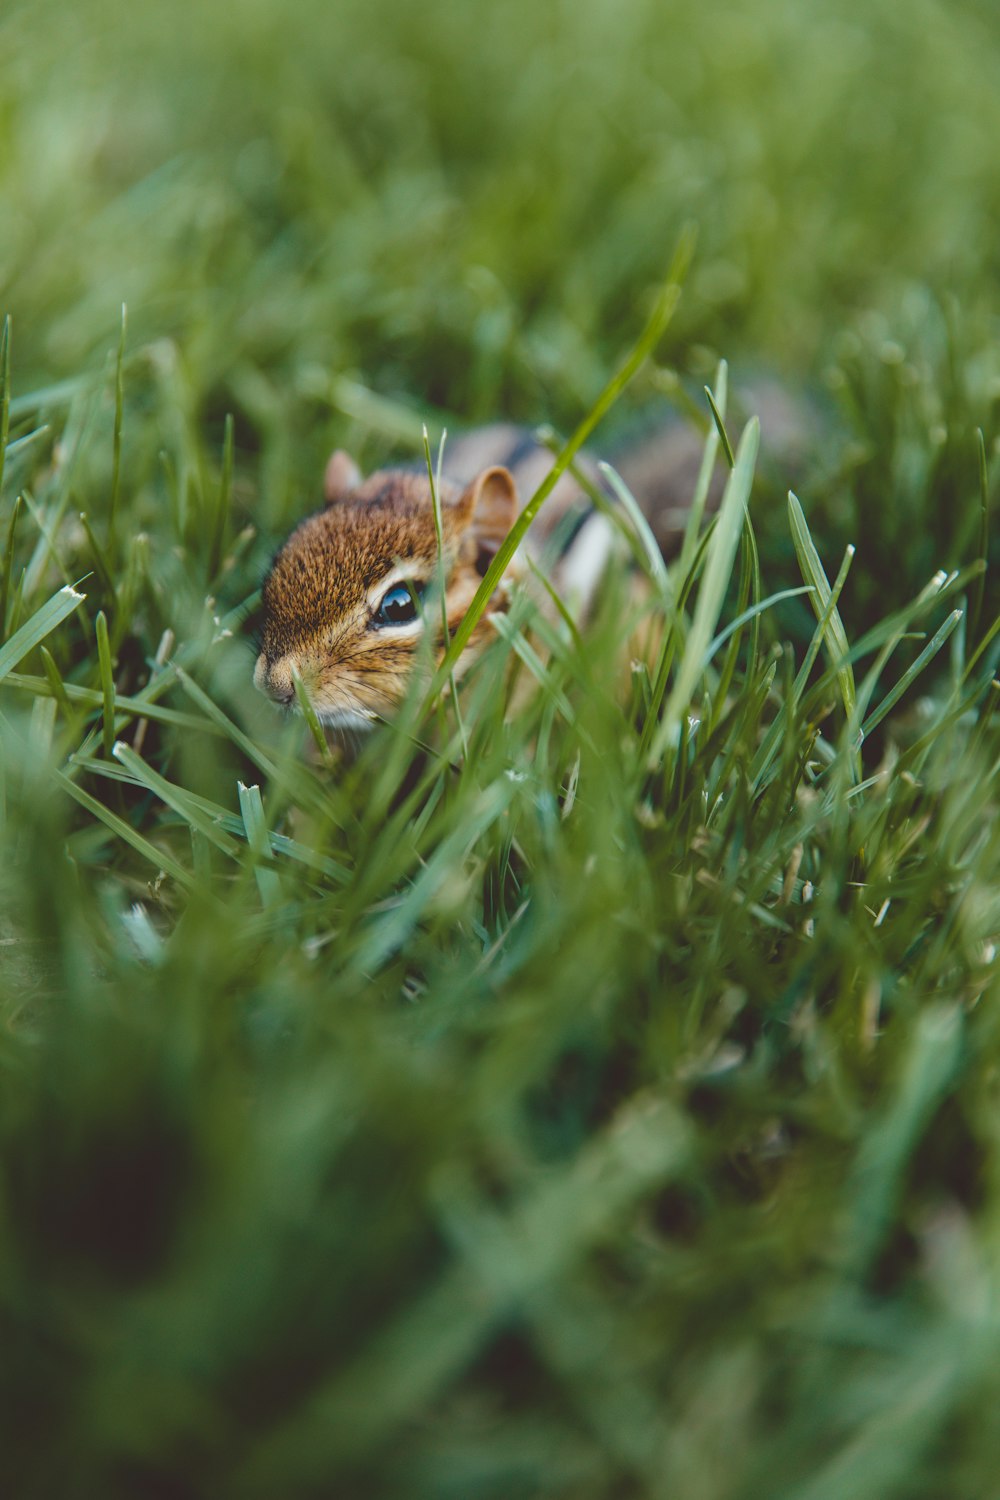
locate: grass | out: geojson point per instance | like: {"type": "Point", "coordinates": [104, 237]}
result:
{"type": "Point", "coordinates": [593, 1094]}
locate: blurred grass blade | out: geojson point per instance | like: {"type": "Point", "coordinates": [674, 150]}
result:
{"type": "Point", "coordinates": [252, 809]}
{"type": "Point", "coordinates": [123, 830]}
{"type": "Point", "coordinates": [649, 338]}
{"type": "Point", "coordinates": [929, 1064]}
{"type": "Point", "coordinates": [652, 556]}
{"type": "Point", "coordinates": [388, 931]}
{"type": "Point", "coordinates": [224, 725]}
{"type": "Point", "coordinates": [41, 624]}
{"type": "Point", "coordinates": [692, 528]}
{"type": "Point", "coordinates": [524, 649]}
{"type": "Point", "coordinates": [54, 679]}
{"type": "Point", "coordinates": [221, 513]}
{"type": "Point", "coordinates": [548, 1233]}
{"type": "Point", "coordinates": [101, 564]}
{"type": "Point", "coordinates": [548, 588]}
{"type": "Point", "coordinates": [49, 397]}
{"type": "Point", "coordinates": [125, 707]}
{"type": "Point", "coordinates": [434, 480]}
{"type": "Point", "coordinates": [5, 567]}
{"type": "Point", "coordinates": [712, 590]}
{"type": "Point", "coordinates": [4, 394]}
{"type": "Point", "coordinates": [312, 719]}
{"type": "Point", "coordinates": [116, 447]}
{"type": "Point", "coordinates": [983, 551]}
{"type": "Point", "coordinates": [727, 446]}
{"type": "Point", "coordinates": [280, 844]}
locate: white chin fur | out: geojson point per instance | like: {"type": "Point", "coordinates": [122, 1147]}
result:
{"type": "Point", "coordinates": [353, 719]}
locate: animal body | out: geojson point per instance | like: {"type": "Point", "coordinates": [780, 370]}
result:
{"type": "Point", "coordinates": [344, 601]}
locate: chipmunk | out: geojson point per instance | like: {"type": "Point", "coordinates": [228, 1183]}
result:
{"type": "Point", "coordinates": [343, 600]}
{"type": "Point", "coordinates": [342, 603]}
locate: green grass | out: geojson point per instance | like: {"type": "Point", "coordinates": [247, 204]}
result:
{"type": "Point", "coordinates": [593, 1094]}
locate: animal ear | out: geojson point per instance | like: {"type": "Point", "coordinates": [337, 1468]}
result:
{"type": "Point", "coordinates": [341, 477]}
{"type": "Point", "coordinates": [489, 506]}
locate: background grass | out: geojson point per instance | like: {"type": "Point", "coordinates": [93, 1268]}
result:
{"type": "Point", "coordinates": [600, 1100]}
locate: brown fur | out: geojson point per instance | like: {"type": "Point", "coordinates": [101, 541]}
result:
{"type": "Point", "coordinates": [324, 588]}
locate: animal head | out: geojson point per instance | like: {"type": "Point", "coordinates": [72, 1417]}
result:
{"type": "Point", "coordinates": [343, 602]}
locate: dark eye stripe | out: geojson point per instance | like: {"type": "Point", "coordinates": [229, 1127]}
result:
{"type": "Point", "coordinates": [398, 606]}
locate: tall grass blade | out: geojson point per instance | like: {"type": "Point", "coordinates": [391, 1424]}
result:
{"type": "Point", "coordinates": [727, 446]}
{"type": "Point", "coordinates": [116, 454]}
{"type": "Point", "coordinates": [221, 512]}
{"type": "Point", "coordinates": [699, 499]}
{"type": "Point", "coordinates": [650, 547]}
{"type": "Point", "coordinates": [712, 591]}
{"type": "Point", "coordinates": [983, 550]}
{"type": "Point", "coordinates": [649, 338]}
{"type": "Point", "coordinates": [311, 717]}
{"type": "Point", "coordinates": [814, 574]}
{"type": "Point", "coordinates": [252, 809]}
{"type": "Point", "coordinates": [106, 669]}
{"type": "Point", "coordinates": [4, 394]}
{"type": "Point", "coordinates": [5, 567]}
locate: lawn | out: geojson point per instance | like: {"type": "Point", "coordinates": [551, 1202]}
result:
{"type": "Point", "coordinates": [590, 1088]}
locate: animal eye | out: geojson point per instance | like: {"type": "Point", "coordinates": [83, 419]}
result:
{"type": "Point", "coordinates": [398, 606]}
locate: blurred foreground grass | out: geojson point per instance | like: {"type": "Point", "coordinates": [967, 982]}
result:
{"type": "Point", "coordinates": [606, 1103]}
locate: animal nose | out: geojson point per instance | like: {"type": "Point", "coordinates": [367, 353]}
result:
{"type": "Point", "coordinates": [274, 679]}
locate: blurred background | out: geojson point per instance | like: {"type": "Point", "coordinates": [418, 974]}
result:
{"type": "Point", "coordinates": [466, 210]}
{"type": "Point", "coordinates": [238, 1158]}
{"type": "Point", "coordinates": [469, 205]}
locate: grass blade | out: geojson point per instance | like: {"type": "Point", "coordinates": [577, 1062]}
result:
{"type": "Point", "coordinates": [932, 648]}
{"type": "Point", "coordinates": [814, 573]}
{"type": "Point", "coordinates": [649, 338]}
{"type": "Point", "coordinates": [523, 648]}
{"type": "Point", "coordinates": [176, 798]}
{"type": "Point", "coordinates": [434, 479]}
{"type": "Point", "coordinates": [101, 564]}
{"type": "Point", "coordinates": [312, 719]}
{"type": "Point", "coordinates": [117, 438]}
{"type": "Point", "coordinates": [41, 624]}
{"type": "Point", "coordinates": [222, 499]}
{"type": "Point", "coordinates": [8, 559]}
{"type": "Point", "coordinates": [281, 845]}
{"type": "Point", "coordinates": [715, 581]}
{"type": "Point", "coordinates": [699, 500]}
{"type": "Point", "coordinates": [107, 683]}
{"type": "Point", "coordinates": [978, 586]}
{"type": "Point", "coordinates": [4, 393]}
{"type": "Point", "coordinates": [774, 734]}
{"type": "Point", "coordinates": [651, 555]}
{"type": "Point", "coordinates": [753, 613]}
{"type": "Point", "coordinates": [252, 809]}
{"type": "Point", "coordinates": [727, 446]}
{"type": "Point", "coordinates": [56, 684]}
{"type": "Point", "coordinates": [126, 832]}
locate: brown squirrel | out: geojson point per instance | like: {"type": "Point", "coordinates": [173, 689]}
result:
{"type": "Point", "coordinates": [342, 603]}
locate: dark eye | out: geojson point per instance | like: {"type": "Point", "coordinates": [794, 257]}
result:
{"type": "Point", "coordinates": [398, 606]}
